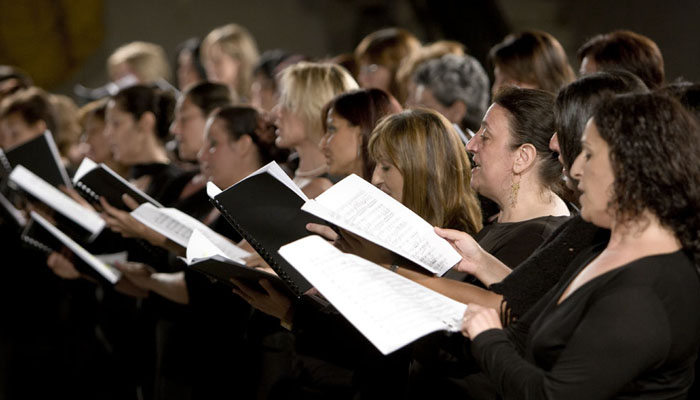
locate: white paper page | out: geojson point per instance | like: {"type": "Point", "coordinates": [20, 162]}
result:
{"type": "Point", "coordinates": [278, 173]}
{"type": "Point", "coordinates": [108, 272]}
{"type": "Point", "coordinates": [212, 190]}
{"type": "Point", "coordinates": [357, 206]}
{"type": "Point", "coordinates": [57, 200]}
{"type": "Point", "coordinates": [179, 227]}
{"type": "Point", "coordinates": [200, 247]}
{"type": "Point", "coordinates": [85, 166]}
{"type": "Point", "coordinates": [390, 310]}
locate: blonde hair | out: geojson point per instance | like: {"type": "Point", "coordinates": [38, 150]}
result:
{"type": "Point", "coordinates": [68, 127]}
{"type": "Point", "coordinates": [235, 41]}
{"type": "Point", "coordinates": [425, 148]}
{"type": "Point", "coordinates": [147, 61]}
{"type": "Point", "coordinates": [306, 87]}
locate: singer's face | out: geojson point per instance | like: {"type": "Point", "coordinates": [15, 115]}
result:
{"type": "Point", "coordinates": [15, 130]}
{"type": "Point", "coordinates": [221, 67]}
{"type": "Point", "coordinates": [291, 129]}
{"type": "Point", "coordinates": [341, 146]}
{"type": "Point", "coordinates": [188, 128]}
{"type": "Point", "coordinates": [217, 158]}
{"type": "Point", "coordinates": [121, 132]}
{"type": "Point", "coordinates": [388, 178]}
{"type": "Point", "coordinates": [98, 149]}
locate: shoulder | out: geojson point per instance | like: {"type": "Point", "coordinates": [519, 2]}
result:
{"type": "Point", "coordinates": [316, 187]}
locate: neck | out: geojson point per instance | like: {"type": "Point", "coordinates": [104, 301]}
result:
{"type": "Point", "coordinates": [241, 171]}
{"type": "Point", "coordinates": [643, 236]}
{"type": "Point", "coordinates": [310, 157]}
{"type": "Point", "coordinates": [151, 152]}
{"type": "Point", "coordinates": [532, 201]}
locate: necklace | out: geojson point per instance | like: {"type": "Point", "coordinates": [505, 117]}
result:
{"type": "Point", "coordinates": [311, 173]}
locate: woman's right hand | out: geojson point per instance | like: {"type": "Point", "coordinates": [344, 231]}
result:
{"type": "Point", "coordinates": [62, 266]}
{"type": "Point", "coordinates": [324, 231]}
{"type": "Point", "coordinates": [472, 254]}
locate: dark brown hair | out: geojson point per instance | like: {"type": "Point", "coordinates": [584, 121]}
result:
{"type": "Point", "coordinates": [388, 47]}
{"type": "Point", "coordinates": [33, 105]}
{"type": "Point", "coordinates": [629, 51]}
{"type": "Point", "coordinates": [577, 101]}
{"type": "Point", "coordinates": [208, 96]}
{"type": "Point", "coordinates": [531, 117]}
{"type": "Point", "coordinates": [654, 145]}
{"type": "Point", "coordinates": [245, 120]}
{"type": "Point", "coordinates": [139, 99]}
{"type": "Point", "coordinates": [533, 57]}
{"type": "Point", "coordinates": [363, 108]}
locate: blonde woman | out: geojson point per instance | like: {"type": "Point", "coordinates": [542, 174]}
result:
{"type": "Point", "coordinates": [144, 61]}
{"type": "Point", "coordinates": [229, 54]}
{"type": "Point", "coordinates": [305, 89]}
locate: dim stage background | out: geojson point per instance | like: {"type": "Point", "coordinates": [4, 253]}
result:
{"type": "Point", "coordinates": [64, 42]}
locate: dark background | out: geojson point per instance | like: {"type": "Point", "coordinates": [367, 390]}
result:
{"type": "Point", "coordinates": [64, 42]}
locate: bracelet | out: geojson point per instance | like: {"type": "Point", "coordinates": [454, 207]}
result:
{"type": "Point", "coordinates": [394, 266]}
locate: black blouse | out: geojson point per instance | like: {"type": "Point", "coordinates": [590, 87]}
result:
{"type": "Point", "coordinates": [631, 332]}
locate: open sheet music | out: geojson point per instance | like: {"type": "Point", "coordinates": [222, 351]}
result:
{"type": "Point", "coordinates": [388, 309]}
{"type": "Point", "coordinates": [357, 206]}
{"type": "Point", "coordinates": [86, 218]}
{"type": "Point", "coordinates": [179, 227]}
{"type": "Point", "coordinates": [105, 271]}
{"type": "Point", "coordinates": [205, 257]}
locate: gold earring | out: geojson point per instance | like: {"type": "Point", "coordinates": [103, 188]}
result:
{"type": "Point", "coordinates": [514, 188]}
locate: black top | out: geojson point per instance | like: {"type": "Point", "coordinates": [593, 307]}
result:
{"type": "Point", "coordinates": [523, 287]}
{"type": "Point", "coordinates": [513, 242]}
{"type": "Point", "coordinates": [631, 332]}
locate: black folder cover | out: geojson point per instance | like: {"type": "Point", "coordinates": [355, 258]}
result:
{"type": "Point", "coordinates": [268, 215]}
{"type": "Point", "coordinates": [39, 238]}
{"type": "Point", "coordinates": [39, 155]}
{"type": "Point", "coordinates": [102, 181]}
{"type": "Point", "coordinates": [223, 269]}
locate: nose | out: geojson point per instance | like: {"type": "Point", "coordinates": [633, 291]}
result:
{"type": "Point", "coordinates": [202, 154]}
{"type": "Point", "coordinates": [554, 143]}
{"type": "Point", "coordinates": [175, 127]}
{"type": "Point", "coordinates": [576, 170]}
{"type": "Point", "coordinates": [471, 144]}
{"type": "Point", "coordinates": [377, 176]}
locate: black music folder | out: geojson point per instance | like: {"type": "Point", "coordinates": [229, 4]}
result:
{"type": "Point", "coordinates": [93, 181]}
{"type": "Point", "coordinates": [223, 269]}
{"type": "Point", "coordinates": [40, 234]}
{"type": "Point", "coordinates": [265, 208]}
{"type": "Point", "coordinates": [39, 155]}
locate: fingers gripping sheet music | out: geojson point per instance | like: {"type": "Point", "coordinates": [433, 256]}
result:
{"type": "Point", "coordinates": [390, 310]}
{"type": "Point", "coordinates": [356, 205]}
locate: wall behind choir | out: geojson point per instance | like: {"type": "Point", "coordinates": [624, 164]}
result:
{"type": "Point", "coordinates": [326, 27]}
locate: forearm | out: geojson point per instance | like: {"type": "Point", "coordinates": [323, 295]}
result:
{"type": "Point", "coordinates": [456, 290]}
{"type": "Point", "coordinates": [491, 270]}
{"type": "Point", "coordinates": [172, 286]}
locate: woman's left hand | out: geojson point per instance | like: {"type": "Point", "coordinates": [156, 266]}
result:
{"type": "Point", "coordinates": [272, 302]}
{"type": "Point", "coordinates": [123, 223]}
{"type": "Point", "coordinates": [478, 319]}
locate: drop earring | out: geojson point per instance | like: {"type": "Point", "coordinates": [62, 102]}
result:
{"type": "Point", "coordinates": [514, 188]}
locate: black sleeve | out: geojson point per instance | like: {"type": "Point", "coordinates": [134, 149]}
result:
{"type": "Point", "coordinates": [596, 362]}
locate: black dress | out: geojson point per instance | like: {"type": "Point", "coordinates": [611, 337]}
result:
{"type": "Point", "coordinates": [629, 333]}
